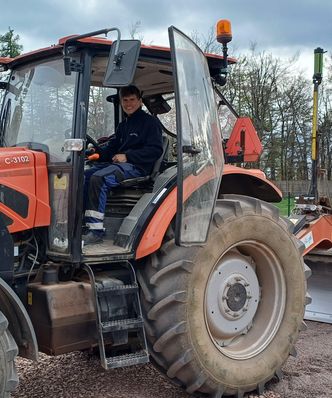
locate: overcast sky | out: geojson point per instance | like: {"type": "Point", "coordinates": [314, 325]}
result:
{"type": "Point", "coordinates": [283, 27]}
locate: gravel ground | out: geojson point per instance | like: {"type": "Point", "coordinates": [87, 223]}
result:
{"type": "Point", "coordinates": [76, 375]}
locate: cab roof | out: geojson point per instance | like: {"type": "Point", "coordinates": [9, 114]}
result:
{"type": "Point", "coordinates": [215, 61]}
{"type": "Point", "coordinates": [153, 75]}
{"type": "Point", "coordinates": [5, 60]}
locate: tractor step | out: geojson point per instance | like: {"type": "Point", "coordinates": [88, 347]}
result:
{"type": "Point", "coordinates": [121, 361]}
{"type": "Point", "coordinates": [119, 318]}
{"type": "Point", "coordinates": [122, 324]}
{"type": "Point", "coordinates": [118, 290]}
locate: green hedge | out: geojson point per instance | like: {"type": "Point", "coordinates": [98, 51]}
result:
{"type": "Point", "coordinates": [283, 206]}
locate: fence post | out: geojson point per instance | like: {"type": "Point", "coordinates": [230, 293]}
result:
{"type": "Point", "coordinates": [288, 204]}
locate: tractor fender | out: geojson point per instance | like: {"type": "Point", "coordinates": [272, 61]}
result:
{"type": "Point", "coordinates": [155, 231]}
{"type": "Point", "coordinates": [20, 324]}
{"type": "Point", "coordinates": [157, 227]}
{"type": "Point", "coordinates": [235, 180]}
{"type": "Point", "coordinates": [249, 182]}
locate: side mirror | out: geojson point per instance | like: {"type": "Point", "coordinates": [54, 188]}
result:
{"type": "Point", "coordinates": [122, 64]}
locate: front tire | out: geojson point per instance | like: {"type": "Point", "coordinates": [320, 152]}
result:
{"type": "Point", "coordinates": [8, 353]}
{"type": "Point", "coordinates": [221, 319]}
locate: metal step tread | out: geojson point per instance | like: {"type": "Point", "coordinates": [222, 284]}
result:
{"type": "Point", "coordinates": [122, 324]}
{"type": "Point", "coordinates": [120, 361]}
{"type": "Point", "coordinates": [117, 290]}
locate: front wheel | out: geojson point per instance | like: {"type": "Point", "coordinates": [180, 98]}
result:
{"type": "Point", "coordinates": [221, 319]}
{"type": "Point", "coordinates": [8, 353]}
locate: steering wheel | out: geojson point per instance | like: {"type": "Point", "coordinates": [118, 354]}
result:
{"type": "Point", "coordinates": [90, 140]}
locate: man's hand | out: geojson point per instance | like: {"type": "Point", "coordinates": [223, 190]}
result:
{"type": "Point", "coordinates": [119, 158]}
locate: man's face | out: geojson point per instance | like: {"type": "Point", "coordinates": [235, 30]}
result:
{"type": "Point", "coordinates": [130, 104]}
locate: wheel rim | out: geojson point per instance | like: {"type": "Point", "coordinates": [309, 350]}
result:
{"type": "Point", "coordinates": [245, 300]}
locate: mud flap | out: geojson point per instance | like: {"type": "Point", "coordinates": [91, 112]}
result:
{"type": "Point", "coordinates": [319, 288]}
{"type": "Point", "coordinates": [6, 253]}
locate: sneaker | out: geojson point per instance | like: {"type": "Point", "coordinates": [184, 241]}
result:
{"type": "Point", "coordinates": [92, 237]}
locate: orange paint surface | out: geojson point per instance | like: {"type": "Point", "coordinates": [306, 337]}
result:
{"type": "Point", "coordinates": [250, 145]}
{"type": "Point", "coordinates": [318, 234]}
{"type": "Point", "coordinates": [25, 171]}
{"type": "Point", "coordinates": [155, 231]}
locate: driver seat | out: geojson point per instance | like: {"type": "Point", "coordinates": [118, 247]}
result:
{"type": "Point", "coordinates": [146, 180]}
{"type": "Point", "coordinates": [124, 197]}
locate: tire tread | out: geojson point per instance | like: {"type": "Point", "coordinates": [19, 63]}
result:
{"type": "Point", "coordinates": [10, 352]}
{"type": "Point", "coordinates": [162, 289]}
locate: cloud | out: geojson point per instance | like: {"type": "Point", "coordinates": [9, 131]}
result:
{"type": "Point", "coordinates": [288, 24]}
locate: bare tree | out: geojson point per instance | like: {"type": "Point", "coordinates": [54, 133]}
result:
{"type": "Point", "coordinates": [135, 30]}
{"type": "Point", "coordinates": [207, 42]}
{"type": "Point", "coordinates": [277, 99]}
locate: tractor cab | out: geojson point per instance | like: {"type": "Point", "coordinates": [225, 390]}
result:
{"type": "Point", "coordinates": [64, 99]}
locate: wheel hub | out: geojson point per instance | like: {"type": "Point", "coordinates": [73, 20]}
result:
{"type": "Point", "coordinates": [233, 295]}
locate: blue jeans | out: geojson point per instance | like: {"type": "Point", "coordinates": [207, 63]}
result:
{"type": "Point", "coordinates": [98, 182]}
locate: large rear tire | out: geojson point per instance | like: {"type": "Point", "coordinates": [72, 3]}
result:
{"type": "Point", "coordinates": [221, 319]}
{"type": "Point", "coordinates": [8, 353]}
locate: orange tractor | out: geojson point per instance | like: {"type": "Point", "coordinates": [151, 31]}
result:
{"type": "Point", "coordinates": [197, 273]}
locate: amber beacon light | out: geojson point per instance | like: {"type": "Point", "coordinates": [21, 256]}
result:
{"type": "Point", "coordinates": [224, 31]}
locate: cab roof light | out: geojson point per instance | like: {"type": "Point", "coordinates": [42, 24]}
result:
{"type": "Point", "coordinates": [224, 31]}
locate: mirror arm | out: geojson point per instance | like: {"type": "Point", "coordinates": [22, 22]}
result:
{"type": "Point", "coordinates": [75, 39]}
{"type": "Point", "coordinates": [118, 57]}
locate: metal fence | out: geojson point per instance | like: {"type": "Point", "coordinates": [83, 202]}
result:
{"type": "Point", "coordinates": [296, 188]}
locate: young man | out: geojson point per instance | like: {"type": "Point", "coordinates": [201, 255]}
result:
{"type": "Point", "coordinates": [131, 153]}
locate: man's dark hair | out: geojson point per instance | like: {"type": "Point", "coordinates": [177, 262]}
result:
{"type": "Point", "coordinates": [130, 90]}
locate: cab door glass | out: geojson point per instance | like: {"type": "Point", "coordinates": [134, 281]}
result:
{"type": "Point", "coordinates": [200, 154]}
{"type": "Point", "coordinates": [4, 78]}
{"type": "Point", "coordinates": [42, 101]}
{"type": "Point", "coordinates": [101, 113]}
{"type": "Point", "coordinates": [227, 120]}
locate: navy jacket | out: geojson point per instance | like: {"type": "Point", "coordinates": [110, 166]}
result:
{"type": "Point", "coordinates": [139, 137]}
